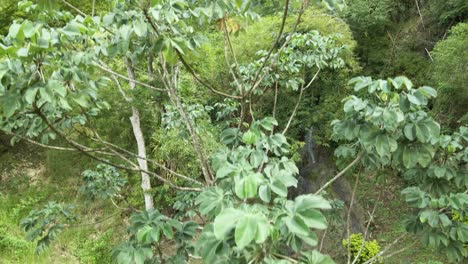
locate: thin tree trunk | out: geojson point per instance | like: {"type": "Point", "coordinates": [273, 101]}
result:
{"type": "Point", "coordinates": [140, 140]}
{"type": "Point", "coordinates": [195, 138]}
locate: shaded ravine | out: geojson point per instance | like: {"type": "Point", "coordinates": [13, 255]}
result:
{"type": "Point", "coordinates": [317, 167]}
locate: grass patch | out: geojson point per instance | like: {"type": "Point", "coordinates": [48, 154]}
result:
{"type": "Point", "coordinates": [31, 177]}
{"type": "Point", "coordinates": [388, 219]}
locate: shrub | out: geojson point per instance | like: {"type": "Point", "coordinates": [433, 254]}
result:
{"type": "Point", "coordinates": [97, 250]}
{"type": "Point", "coordinates": [104, 182]}
{"type": "Point", "coordinates": [369, 248]}
{"type": "Point", "coordinates": [450, 75]}
{"type": "Point", "coordinates": [10, 243]}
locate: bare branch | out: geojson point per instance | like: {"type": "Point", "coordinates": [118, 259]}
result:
{"type": "Point", "coordinates": [83, 149]}
{"type": "Point", "coordinates": [128, 99]}
{"type": "Point", "coordinates": [140, 140]}
{"type": "Point", "coordinates": [204, 83]}
{"type": "Point", "coordinates": [107, 69]}
{"type": "Point", "coordinates": [299, 101]}
{"type": "Point", "coordinates": [257, 80]}
{"type": "Point", "coordinates": [341, 173]}
{"type": "Point", "coordinates": [278, 38]}
{"type": "Point", "coordinates": [349, 217]}
{"type": "Point", "coordinates": [364, 237]}
{"type": "Point", "coordinates": [98, 138]}
{"type": "Point", "coordinates": [376, 257]}
{"type": "Point", "coordinates": [228, 39]}
{"type": "Point", "coordinates": [171, 86]}
{"type": "Point", "coordinates": [74, 8]}
{"type": "Point", "coordinates": [399, 251]}
{"type": "Point", "coordinates": [53, 147]}
{"type": "Point", "coordinates": [285, 257]}
{"type": "Point", "coordinates": [274, 106]}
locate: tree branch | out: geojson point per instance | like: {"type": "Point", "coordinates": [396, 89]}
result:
{"type": "Point", "coordinates": [74, 8]}
{"type": "Point", "coordinates": [375, 258]}
{"type": "Point", "coordinates": [106, 69]}
{"type": "Point", "coordinates": [278, 38]}
{"type": "Point", "coordinates": [299, 101]}
{"type": "Point", "coordinates": [364, 237]}
{"type": "Point", "coordinates": [53, 147]}
{"type": "Point", "coordinates": [98, 138]}
{"type": "Point", "coordinates": [204, 83]}
{"type": "Point", "coordinates": [83, 149]}
{"type": "Point", "coordinates": [341, 173]}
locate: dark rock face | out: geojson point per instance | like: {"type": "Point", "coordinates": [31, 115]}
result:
{"type": "Point", "coordinates": [316, 168]}
{"type": "Point", "coordinates": [4, 143]}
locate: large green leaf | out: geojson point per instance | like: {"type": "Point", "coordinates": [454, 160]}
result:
{"type": "Point", "coordinates": [309, 201]}
{"type": "Point", "coordinates": [10, 105]}
{"type": "Point", "coordinates": [297, 226]}
{"type": "Point", "coordinates": [314, 219]}
{"type": "Point", "coordinates": [28, 29]}
{"type": "Point", "coordinates": [279, 188]}
{"type": "Point", "coordinates": [225, 222]}
{"type": "Point", "coordinates": [211, 201]}
{"type": "Point", "coordinates": [140, 29]}
{"type": "Point", "coordinates": [415, 197]}
{"type": "Point", "coordinates": [57, 87]}
{"type": "Point", "coordinates": [245, 231]}
{"type": "Point", "coordinates": [246, 187]}
{"type": "Point", "coordinates": [264, 193]}
{"type": "Point", "coordinates": [250, 137]}
{"type": "Point", "coordinates": [428, 91]}
{"type": "Point", "coordinates": [257, 157]}
{"type": "Point", "coordinates": [30, 94]}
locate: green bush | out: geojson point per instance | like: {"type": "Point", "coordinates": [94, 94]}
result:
{"type": "Point", "coordinates": [11, 244]}
{"type": "Point", "coordinates": [369, 248]}
{"type": "Point", "coordinates": [450, 75]}
{"type": "Point", "coordinates": [97, 250]}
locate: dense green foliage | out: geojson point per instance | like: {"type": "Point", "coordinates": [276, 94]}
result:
{"type": "Point", "coordinates": [360, 249]}
{"type": "Point", "coordinates": [189, 119]}
{"type": "Point", "coordinates": [450, 74]}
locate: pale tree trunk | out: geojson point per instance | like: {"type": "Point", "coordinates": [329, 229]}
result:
{"type": "Point", "coordinates": [140, 140]}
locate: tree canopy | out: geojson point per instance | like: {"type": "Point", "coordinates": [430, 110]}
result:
{"type": "Point", "coordinates": [201, 106]}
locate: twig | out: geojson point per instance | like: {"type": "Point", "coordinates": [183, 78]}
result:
{"type": "Point", "coordinates": [419, 12]}
{"type": "Point", "coordinates": [274, 106]}
{"type": "Point", "coordinates": [204, 83]}
{"type": "Point", "coordinates": [341, 173]}
{"type": "Point", "coordinates": [367, 229]}
{"type": "Point", "coordinates": [322, 239]}
{"type": "Point", "coordinates": [285, 257]}
{"type": "Point", "coordinates": [98, 138]}
{"type": "Point", "coordinates": [278, 38]}
{"type": "Point", "coordinates": [104, 68]}
{"type": "Point", "coordinates": [171, 86]}
{"type": "Point", "coordinates": [428, 53]}
{"type": "Point", "coordinates": [83, 149]}
{"type": "Point", "coordinates": [74, 8]}
{"type": "Point", "coordinates": [299, 101]}
{"type": "Point", "coordinates": [228, 38]}
{"type": "Point", "coordinates": [128, 99]}
{"type": "Point", "coordinates": [349, 217]}
{"type": "Point", "coordinates": [257, 80]}
{"type": "Point", "coordinates": [374, 258]}
{"type": "Point", "coordinates": [400, 250]}
{"type": "Point", "coordinates": [53, 147]}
